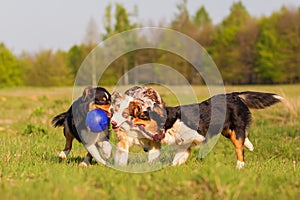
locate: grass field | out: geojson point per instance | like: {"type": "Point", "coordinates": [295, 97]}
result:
{"type": "Point", "coordinates": [30, 168]}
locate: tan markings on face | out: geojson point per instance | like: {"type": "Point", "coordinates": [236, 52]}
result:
{"type": "Point", "coordinates": [103, 107]}
{"type": "Point", "coordinates": [139, 121]}
{"type": "Point", "coordinates": [150, 125]}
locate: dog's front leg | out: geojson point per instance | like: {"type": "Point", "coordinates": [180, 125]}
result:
{"type": "Point", "coordinates": [93, 150]}
{"type": "Point", "coordinates": [86, 161]}
{"type": "Point", "coordinates": [153, 154]}
{"type": "Point", "coordinates": [121, 155]}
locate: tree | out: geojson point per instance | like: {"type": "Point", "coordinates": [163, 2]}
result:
{"type": "Point", "coordinates": [225, 44]}
{"type": "Point", "coordinates": [244, 54]}
{"type": "Point", "coordinates": [108, 22]}
{"type": "Point", "coordinates": [92, 36]}
{"type": "Point", "coordinates": [49, 69]}
{"type": "Point", "coordinates": [182, 21]}
{"type": "Point", "coordinates": [288, 27]}
{"type": "Point", "coordinates": [201, 17]}
{"type": "Point", "coordinates": [269, 48]}
{"type": "Point", "coordinates": [204, 28]}
{"type": "Point", "coordinates": [122, 21]}
{"type": "Point", "coordinates": [10, 69]}
{"type": "Point", "coordinates": [75, 56]}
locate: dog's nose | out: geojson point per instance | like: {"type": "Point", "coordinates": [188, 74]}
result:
{"type": "Point", "coordinates": [146, 149]}
{"type": "Point", "coordinates": [113, 123]}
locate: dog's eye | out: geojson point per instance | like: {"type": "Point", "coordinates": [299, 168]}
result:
{"type": "Point", "coordinates": [125, 113]}
{"type": "Point", "coordinates": [116, 108]}
{"type": "Point", "coordinates": [144, 115]}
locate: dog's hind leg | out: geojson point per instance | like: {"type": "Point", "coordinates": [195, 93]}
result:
{"type": "Point", "coordinates": [68, 146]}
{"type": "Point", "coordinates": [239, 147]}
{"type": "Point", "coordinates": [248, 144]}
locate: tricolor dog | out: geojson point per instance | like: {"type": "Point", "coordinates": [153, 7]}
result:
{"type": "Point", "coordinates": [182, 122]}
{"type": "Point", "coordinates": [73, 120]}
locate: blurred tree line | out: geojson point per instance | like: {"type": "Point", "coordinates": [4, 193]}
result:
{"type": "Point", "coordinates": [247, 50]}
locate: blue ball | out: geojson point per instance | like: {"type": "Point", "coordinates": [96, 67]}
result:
{"type": "Point", "coordinates": [96, 120]}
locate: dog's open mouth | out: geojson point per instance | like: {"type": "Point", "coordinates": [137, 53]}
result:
{"type": "Point", "coordinates": [115, 128]}
{"type": "Point", "coordinates": [104, 107]}
{"type": "Point", "coordinates": [139, 122]}
{"type": "Point", "coordinates": [142, 125]}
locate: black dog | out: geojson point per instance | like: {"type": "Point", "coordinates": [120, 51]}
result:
{"type": "Point", "coordinates": [73, 120]}
{"type": "Point", "coordinates": [225, 113]}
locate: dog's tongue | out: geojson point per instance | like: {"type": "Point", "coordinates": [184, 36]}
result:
{"type": "Point", "coordinates": [142, 126]}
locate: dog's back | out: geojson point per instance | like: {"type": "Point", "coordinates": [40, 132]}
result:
{"type": "Point", "coordinates": [232, 109]}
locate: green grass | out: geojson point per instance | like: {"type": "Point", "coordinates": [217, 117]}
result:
{"type": "Point", "coordinates": [29, 167]}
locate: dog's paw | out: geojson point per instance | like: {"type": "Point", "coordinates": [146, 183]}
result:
{"type": "Point", "coordinates": [62, 155]}
{"type": "Point", "coordinates": [180, 158]}
{"type": "Point", "coordinates": [240, 164]}
{"type": "Point", "coordinates": [83, 164]}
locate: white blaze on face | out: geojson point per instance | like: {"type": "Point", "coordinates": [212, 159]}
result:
{"type": "Point", "coordinates": [120, 111]}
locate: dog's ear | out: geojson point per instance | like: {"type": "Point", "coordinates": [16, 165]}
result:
{"type": "Point", "coordinates": [116, 95]}
{"type": "Point", "coordinates": [154, 96]}
{"type": "Point", "coordinates": [159, 115]}
{"type": "Point", "coordinates": [134, 109]}
{"type": "Point", "coordinates": [87, 94]}
{"type": "Point", "coordinates": [159, 110]}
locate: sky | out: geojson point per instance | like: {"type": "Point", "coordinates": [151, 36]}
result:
{"type": "Point", "coordinates": [35, 25]}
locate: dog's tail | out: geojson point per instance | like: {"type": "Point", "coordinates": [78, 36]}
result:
{"type": "Point", "coordinates": [259, 100]}
{"type": "Point", "coordinates": [59, 120]}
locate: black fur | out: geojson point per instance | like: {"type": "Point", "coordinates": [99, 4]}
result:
{"type": "Point", "coordinates": [225, 113]}
{"type": "Point", "coordinates": [59, 120]}
{"type": "Point", "coordinates": [237, 118]}
{"type": "Point", "coordinates": [257, 100]}
{"type": "Point", "coordinates": [74, 119]}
